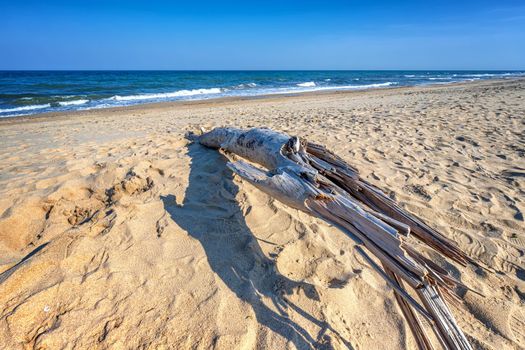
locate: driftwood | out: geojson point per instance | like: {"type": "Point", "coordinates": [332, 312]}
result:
{"type": "Point", "coordinates": [310, 178]}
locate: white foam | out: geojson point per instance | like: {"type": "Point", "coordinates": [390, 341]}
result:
{"type": "Point", "coordinates": [25, 108]}
{"type": "Point", "coordinates": [180, 93]}
{"type": "Point", "coordinates": [368, 86]}
{"type": "Point", "coordinates": [493, 75]}
{"type": "Point", "coordinates": [242, 86]}
{"type": "Point", "coordinates": [482, 75]}
{"type": "Point", "coordinates": [307, 84]}
{"type": "Point", "coordinates": [324, 88]}
{"type": "Point", "coordinates": [73, 103]}
{"type": "Point", "coordinates": [14, 115]}
{"type": "Point", "coordinates": [410, 76]}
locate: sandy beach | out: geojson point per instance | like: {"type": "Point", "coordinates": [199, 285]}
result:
{"type": "Point", "coordinates": [116, 232]}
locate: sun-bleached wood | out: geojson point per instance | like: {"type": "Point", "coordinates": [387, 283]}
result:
{"type": "Point", "coordinates": [308, 177]}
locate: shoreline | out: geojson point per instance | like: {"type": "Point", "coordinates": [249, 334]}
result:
{"type": "Point", "coordinates": [236, 99]}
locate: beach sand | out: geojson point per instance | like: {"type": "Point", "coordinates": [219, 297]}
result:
{"type": "Point", "coordinates": [116, 232]}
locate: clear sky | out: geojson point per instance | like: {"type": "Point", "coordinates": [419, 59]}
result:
{"type": "Point", "coordinates": [252, 34]}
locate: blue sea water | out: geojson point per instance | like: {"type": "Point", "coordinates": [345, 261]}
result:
{"type": "Point", "coordinates": [32, 92]}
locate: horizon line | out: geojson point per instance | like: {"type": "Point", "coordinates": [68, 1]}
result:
{"type": "Point", "coordinates": [256, 70]}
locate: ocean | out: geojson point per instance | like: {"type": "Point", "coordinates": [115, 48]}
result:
{"type": "Point", "coordinates": [33, 92]}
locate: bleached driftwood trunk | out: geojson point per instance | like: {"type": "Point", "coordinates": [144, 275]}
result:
{"type": "Point", "coordinates": [310, 178]}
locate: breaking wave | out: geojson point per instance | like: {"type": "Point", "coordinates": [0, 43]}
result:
{"type": "Point", "coordinates": [73, 103]}
{"type": "Point", "coordinates": [24, 108]}
{"type": "Point", "coordinates": [160, 96]}
{"type": "Point", "coordinates": [307, 84]}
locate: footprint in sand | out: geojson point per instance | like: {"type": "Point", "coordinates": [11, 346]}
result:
{"type": "Point", "coordinates": [517, 239]}
{"type": "Point", "coordinates": [517, 326]}
{"type": "Point", "coordinates": [419, 191]}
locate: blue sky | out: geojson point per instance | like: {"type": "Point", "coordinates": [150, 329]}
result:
{"type": "Point", "coordinates": [262, 34]}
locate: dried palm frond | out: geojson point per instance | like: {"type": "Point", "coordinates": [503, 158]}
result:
{"type": "Point", "coordinates": [308, 177]}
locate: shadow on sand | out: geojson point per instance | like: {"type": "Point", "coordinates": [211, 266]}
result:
{"type": "Point", "coordinates": [211, 214]}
